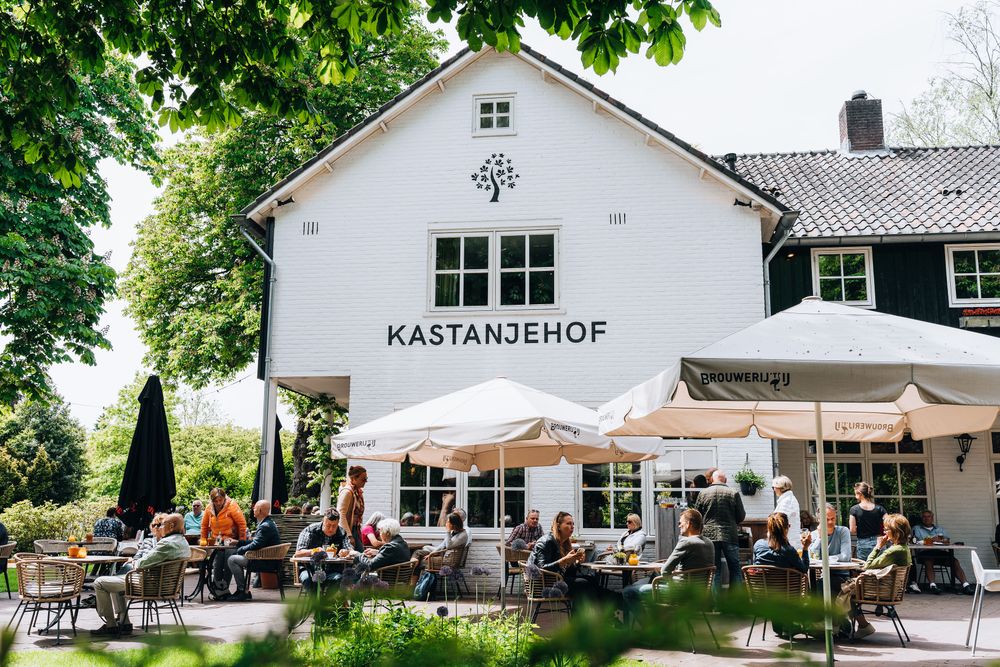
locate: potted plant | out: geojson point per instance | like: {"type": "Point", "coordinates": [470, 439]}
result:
{"type": "Point", "coordinates": [749, 481]}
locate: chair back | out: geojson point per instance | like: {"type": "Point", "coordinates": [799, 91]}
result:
{"type": "Point", "coordinates": [103, 545]}
{"type": "Point", "coordinates": [768, 581]}
{"type": "Point", "coordinates": [7, 550]}
{"type": "Point", "coordinates": [50, 581]}
{"type": "Point", "coordinates": [885, 591]}
{"type": "Point", "coordinates": [197, 555]}
{"type": "Point", "coordinates": [398, 574]}
{"type": "Point", "coordinates": [977, 567]}
{"type": "Point", "coordinates": [455, 558]}
{"type": "Point", "coordinates": [276, 552]}
{"type": "Point", "coordinates": [668, 589]}
{"type": "Point", "coordinates": [539, 587]}
{"type": "Point", "coordinates": [512, 555]}
{"type": "Point", "coordinates": [27, 555]}
{"type": "Point", "coordinates": [158, 582]}
{"type": "Point", "coordinates": [51, 547]}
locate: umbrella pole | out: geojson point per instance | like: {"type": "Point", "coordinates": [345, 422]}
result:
{"type": "Point", "coordinates": [823, 541]}
{"type": "Point", "coordinates": [500, 520]}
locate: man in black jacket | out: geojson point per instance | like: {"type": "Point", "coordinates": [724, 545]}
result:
{"type": "Point", "coordinates": [265, 536]}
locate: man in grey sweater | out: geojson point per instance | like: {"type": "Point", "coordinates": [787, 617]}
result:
{"type": "Point", "coordinates": [722, 509]}
{"type": "Point", "coordinates": [692, 551]}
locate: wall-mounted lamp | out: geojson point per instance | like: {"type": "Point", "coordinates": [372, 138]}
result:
{"type": "Point", "coordinates": [964, 444]}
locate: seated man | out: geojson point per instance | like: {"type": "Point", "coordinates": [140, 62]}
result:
{"type": "Point", "coordinates": [192, 520]}
{"type": "Point", "coordinates": [838, 546]}
{"type": "Point", "coordinates": [393, 551]}
{"type": "Point", "coordinates": [110, 591]}
{"type": "Point", "coordinates": [529, 531]}
{"type": "Point", "coordinates": [265, 536]}
{"type": "Point", "coordinates": [928, 558]}
{"type": "Point", "coordinates": [693, 551]}
{"type": "Point", "coordinates": [320, 535]}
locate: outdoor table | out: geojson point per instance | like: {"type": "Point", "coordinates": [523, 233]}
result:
{"type": "Point", "coordinates": [604, 569]}
{"type": "Point", "coordinates": [839, 567]}
{"type": "Point", "coordinates": [205, 570]}
{"type": "Point", "coordinates": [937, 546]}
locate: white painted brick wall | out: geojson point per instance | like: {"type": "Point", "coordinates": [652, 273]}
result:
{"type": "Point", "coordinates": [683, 272]}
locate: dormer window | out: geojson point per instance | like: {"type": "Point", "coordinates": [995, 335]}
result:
{"type": "Point", "coordinates": [493, 115]}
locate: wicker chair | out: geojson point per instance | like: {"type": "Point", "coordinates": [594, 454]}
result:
{"type": "Point", "coordinates": [269, 559]}
{"type": "Point", "coordinates": [197, 561]}
{"type": "Point", "coordinates": [398, 577]}
{"type": "Point", "coordinates": [453, 559]}
{"type": "Point", "coordinates": [767, 581]}
{"type": "Point", "coordinates": [535, 590]}
{"type": "Point", "coordinates": [42, 583]}
{"type": "Point", "coordinates": [511, 564]}
{"type": "Point", "coordinates": [156, 586]}
{"type": "Point", "coordinates": [887, 593]}
{"type": "Point", "coordinates": [6, 551]}
{"type": "Point", "coordinates": [51, 547]}
{"type": "Point", "coordinates": [667, 589]}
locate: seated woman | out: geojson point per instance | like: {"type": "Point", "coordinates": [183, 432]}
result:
{"type": "Point", "coordinates": [632, 540]}
{"type": "Point", "coordinates": [148, 543]}
{"type": "Point", "coordinates": [890, 549]}
{"type": "Point", "coordinates": [776, 550]}
{"type": "Point", "coordinates": [456, 537]}
{"type": "Point", "coordinates": [393, 551]}
{"type": "Point", "coordinates": [369, 537]}
{"type": "Point", "coordinates": [554, 552]}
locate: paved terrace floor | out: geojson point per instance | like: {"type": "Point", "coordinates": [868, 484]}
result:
{"type": "Point", "coordinates": [936, 624]}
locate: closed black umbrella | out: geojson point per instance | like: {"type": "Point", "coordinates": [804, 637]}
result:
{"type": "Point", "coordinates": [279, 488]}
{"type": "Point", "coordinates": [148, 485]}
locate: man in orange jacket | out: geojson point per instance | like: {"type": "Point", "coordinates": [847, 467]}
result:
{"type": "Point", "coordinates": [225, 520]}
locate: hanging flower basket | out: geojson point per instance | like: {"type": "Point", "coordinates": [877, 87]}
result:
{"type": "Point", "coordinates": [749, 481]}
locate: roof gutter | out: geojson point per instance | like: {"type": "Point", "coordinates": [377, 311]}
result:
{"type": "Point", "coordinates": [881, 239]}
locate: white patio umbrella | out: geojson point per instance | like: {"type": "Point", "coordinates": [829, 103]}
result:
{"type": "Point", "coordinates": [494, 425]}
{"type": "Point", "coordinates": [821, 371]}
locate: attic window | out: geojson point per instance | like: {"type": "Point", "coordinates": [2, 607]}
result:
{"type": "Point", "coordinates": [493, 115]}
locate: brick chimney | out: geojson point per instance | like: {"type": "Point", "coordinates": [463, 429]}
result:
{"type": "Point", "coordinates": [861, 124]}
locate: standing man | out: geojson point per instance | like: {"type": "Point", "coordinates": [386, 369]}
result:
{"type": "Point", "coordinates": [788, 505]}
{"type": "Point", "coordinates": [225, 520]}
{"type": "Point", "coordinates": [265, 536]}
{"type": "Point", "coordinates": [528, 532]}
{"type": "Point", "coordinates": [192, 520]}
{"type": "Point", "coordinates": [722, 509]}
{"type": "Point", "coordinates": [927, 530]}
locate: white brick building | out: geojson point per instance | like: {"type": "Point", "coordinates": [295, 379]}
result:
{"type": "Point", "coordinates": [395, 272]}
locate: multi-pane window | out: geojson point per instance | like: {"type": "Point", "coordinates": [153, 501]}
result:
{"type": "Point", "coordinates": [611, 491]}
{"type": "Point", "coordinates": [995, 457]}
{"type": "Point", "coordinates": [495, 270]}
{"type": "Point", "coordinates": [975, 274]}
{"type": "Point", "coordinates": [527, 269]}
{"type": "Point", "coordinates": [674, 472]}
{"type": "Point", "coordinates": [426, 494]}
{"type": "Point", "coordinates": [484, 497]}
{"type": "Point", "coordinates": [896, 470]}
{"type": "Point", "coordinates": [844, 275]}
{"type": "Point", "coordinates": [462, 271]}
{"type": "Point", "coordinates": [493, 115]}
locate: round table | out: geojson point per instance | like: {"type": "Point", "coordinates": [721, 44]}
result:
{"type": "Point", "coordinates": [89, 559]}
{"type": "Point", "coordinates": [205, 570]}
{"type": "Point", "coordinates": [604, 569]}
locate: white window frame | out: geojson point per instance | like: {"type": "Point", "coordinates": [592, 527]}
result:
{"type": "Point", "coordinates": [527, 269]}
{"type": "Point", "coordinates": [866, 251]}
{"type": "Point", "coordinates": [953, 299]}
{"type": "Point", "coordinates": [493, 271]}
{"type": "Point", "coordinates": [644, 502]}
{"type": "Point", "coordinates": [495, 489]}
{"type": "Point", "coordinates": [682, 446]}
{"type": "Point", "coordinates": [427, 488]}
{"type": "Point", "coordinates": [493, 131]}
{"type": "Point", "coordinates": [462, 271]}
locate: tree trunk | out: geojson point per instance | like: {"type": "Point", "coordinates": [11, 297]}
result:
{"type": "Point", "coordinates": [496, 186]}
{"type": "Point", "coordinates": [302, 468]}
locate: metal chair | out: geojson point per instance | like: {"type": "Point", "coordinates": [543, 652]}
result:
{"type": "Point", "coordinates": [666, 592]}
{"type": "Point", "coordinates": [156, 586]}
{"type": "Point", "coordinates": [197, 560]}
{"type": "Point", "coordinates": [512, 568]}
{"type": "Point", "coordinates": [42, 583]}
{"type": "Point", "coordinates": [887, 593]}
{"type": "Point", "coordinates": [6, 551]}
{"type": "Point", "coordinates": [269, 559]}
{"type": "Point", "coordinates": [538, 591]}
{"type": "Point", "coordinates": [986, 581]}
{"type": "Point", "coordinates": [453, 559]}
{"type": "Point", "coordinates": [768, 581]}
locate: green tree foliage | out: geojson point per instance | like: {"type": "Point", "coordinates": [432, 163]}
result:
{"type": "Point", "coordinates": [52, 285]}
{"type": "Point", "coordinates": [41, 454]}
{"type": "Point", "coordinates": [207, 62]}
{"type": "Point", "coordinates": [27, 521]}
{"type": "Point", "coordinates": [194, 285]}
{"type": "Point", "coordinates": [962, 106]}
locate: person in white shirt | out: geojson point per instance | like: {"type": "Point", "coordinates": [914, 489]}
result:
{"type": "Point", "coordinates": [789, 506]}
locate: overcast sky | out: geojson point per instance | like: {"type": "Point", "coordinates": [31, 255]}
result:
{"type": "Point", "coordinates": [773, 78]}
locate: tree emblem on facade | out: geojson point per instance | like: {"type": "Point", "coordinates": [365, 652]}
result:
{"type": "Point", "coordinates": [496, 173]}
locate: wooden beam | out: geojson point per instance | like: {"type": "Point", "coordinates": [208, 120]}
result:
{"type": "Point", "coordinates": [440, 85]}
{"type": "Point", "coordinates": [328, 166]}
{"type": "Point", "coordinates": [385, 128]}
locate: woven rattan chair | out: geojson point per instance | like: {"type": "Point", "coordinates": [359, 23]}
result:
{"type": "Point", "coordinates": [668, 590]}
{"type": "Point", "coordinates": [512, 568]}
{"type": "Point", "coordinates": [197, 561]}
{"type": "Point", "coordinates": [767, 581]}
{"type": "Point", "coordinates": [887, 593]}
{"type": "Point", "coordinates": [51, 547]}
{"type": "Point", "coordinates": [454, 559]}
{"type": "Point", "coordinates": [269, 559]}
{"type": "Point", "coordinates": [541, 594]}
{"type": "Point", "coordinates": [42, 583]}
{"type": "Point", "coordinates": [6, 551]}
{"type": "Point", "coordinates": [398, 577]}
{"type": "Point", "coordinates": [156, 586]}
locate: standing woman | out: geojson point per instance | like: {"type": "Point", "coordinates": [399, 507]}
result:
{"type": "Point", "coordinates": [866, 519]}
{"type": "Point", "coordinates": [351, 503]}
